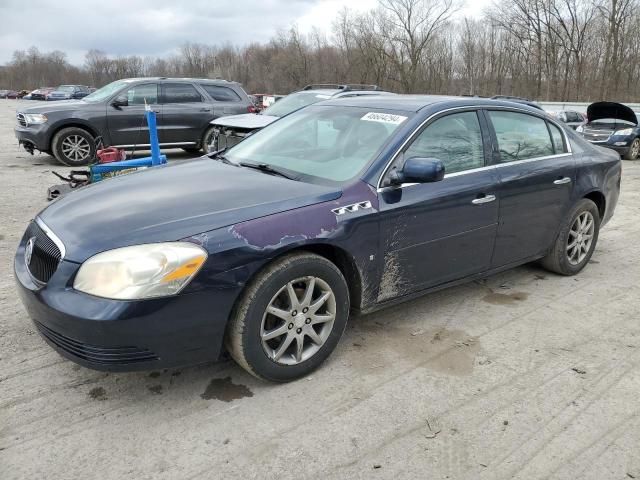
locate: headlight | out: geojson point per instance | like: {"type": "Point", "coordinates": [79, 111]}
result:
{"type": "Point", "coordinates": [34, 118]}
{"type": "Point", "coordinates": [141, 271]}
{"type": "Point", "coordinates": [626, 131]}
{"type": "Point", "coordinates": [579, 128]}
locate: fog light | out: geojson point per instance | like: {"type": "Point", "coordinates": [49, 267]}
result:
{"type": "Point", "coordinates": [620, 144]}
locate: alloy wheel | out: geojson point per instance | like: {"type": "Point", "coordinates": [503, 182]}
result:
{"type": "Point", "coordinates": [635, 148]}
{"type": "Point", "coordinates": [580, 238]}
{"type": "Point", "coordinates": [76, 148]}
{"type": "Point", "coordinates": [298, 320]}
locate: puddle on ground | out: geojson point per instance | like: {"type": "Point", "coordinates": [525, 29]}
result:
{"type": "Point", "coordinates": [157, 389]}
{"type": "Point", "coordinates": [98, 393]}
{"type": "Point", "coordinates": [496, 298]}
{"type": "Point", "coordinates": [452, 352]}
{"type": "Point", "coordinates": [225, 390]}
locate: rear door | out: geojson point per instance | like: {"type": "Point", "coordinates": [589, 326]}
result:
{"type": "Point", "coordinates": [185, 114]}
{"type": "Point", "coordinates": [438, 232]}
{"type": "Point", "coordinates": [127, 124]}
{"type": "Point", "coordinates": [537, 174]}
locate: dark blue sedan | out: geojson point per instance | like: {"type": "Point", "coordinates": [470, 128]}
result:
{"type": "Point", "coordinates": [346, 206]}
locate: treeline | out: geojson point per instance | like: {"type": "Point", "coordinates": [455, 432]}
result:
{"type": "Point", "coordinates": [567, 50]}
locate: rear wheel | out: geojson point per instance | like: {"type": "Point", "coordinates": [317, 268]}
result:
{"type": "Point", "coordinates": [576, 241]}
{"type": "Point", "coordinates": [73, 146]}
{"type": "Point", "coordinates": [290, 318]}
{"type": "Point", "coordinates": [634, 150]}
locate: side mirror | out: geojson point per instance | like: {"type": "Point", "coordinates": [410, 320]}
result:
{"type": "Point", "coordinates": [418, 170]}
{"type": "Point", "coordinates": [120, 101]}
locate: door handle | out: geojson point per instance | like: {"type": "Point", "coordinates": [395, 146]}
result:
{"type": "Point", "coordinates": [484, 199]}
{"type": "Point", "coordinates": [562, 181]}
{"type": "Point", "coordinates": [205, 109]}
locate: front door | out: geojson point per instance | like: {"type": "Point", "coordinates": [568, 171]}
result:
{"type": "Point", "coordinates": [537, 174]}
{"type": "Point", "coordinates": [434, 233]}
{"type": "Point", "coordinates": [128, 124]}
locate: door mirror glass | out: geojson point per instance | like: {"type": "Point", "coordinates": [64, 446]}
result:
{"type": "Point", "coordinates": [120, 101]}
{"type": "Point", "coordinates": [418, 170]}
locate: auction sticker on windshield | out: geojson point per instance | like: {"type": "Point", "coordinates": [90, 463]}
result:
{"type": "Point", "coordinates": [384, 118]}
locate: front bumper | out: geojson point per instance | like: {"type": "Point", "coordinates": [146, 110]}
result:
{"type": "Point", "coordinates": [34, 135]}
{"type": "Point", "coordinates": [114, 335]}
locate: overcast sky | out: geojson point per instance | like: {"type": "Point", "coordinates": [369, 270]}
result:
{"type": "Point", "coordinates": [157, 27]}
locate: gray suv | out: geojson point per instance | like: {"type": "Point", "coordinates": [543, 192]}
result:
{"type": "Point", "coordinates": [184, 108]}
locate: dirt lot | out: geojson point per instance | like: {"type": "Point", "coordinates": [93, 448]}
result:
{"type": "Point", "coordinates": [525, 375]}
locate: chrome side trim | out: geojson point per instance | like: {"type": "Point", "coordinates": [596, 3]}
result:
{"type": "Point", "coordinates": [52, 236]}
{"type": "Point", "coordinates": [473, 170]}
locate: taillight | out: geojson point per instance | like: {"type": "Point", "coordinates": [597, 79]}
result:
{"type": "Point", "coordinates": [251, 109]}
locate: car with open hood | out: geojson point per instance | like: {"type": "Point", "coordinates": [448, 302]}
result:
{"type": "Point", "coordinates": [612, 125]}
{"type": "Point", "coordinates": [230, 130]}
{"type": "Point", "coordinates": [350, 205]}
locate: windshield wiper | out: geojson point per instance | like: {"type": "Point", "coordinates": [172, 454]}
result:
{"type": "Point", "coordinates": [263, 167]}
{"type": "Point", "coordinates": [218, 155]}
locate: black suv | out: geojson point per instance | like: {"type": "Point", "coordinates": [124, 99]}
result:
{"type": "Point", "coordinates": [184, 108]}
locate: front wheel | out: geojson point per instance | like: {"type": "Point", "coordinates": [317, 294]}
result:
{"type": "Point", "coordinates": [73, 147]}
{"type": "Point", "coordinates": [634, 150]}
{"type": "Point", "coordinates": [290, 318]}
{"type": "Point", "coordinates": [576, 241]}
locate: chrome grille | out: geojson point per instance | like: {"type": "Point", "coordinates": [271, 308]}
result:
{"type": "Point", "coordinates": [21, 119]}
{"type": "Point", "coordinates": [596, 135]}
{"type": "Point", "coordinates": [45, 255]}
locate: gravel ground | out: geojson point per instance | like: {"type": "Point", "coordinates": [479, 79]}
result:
{"type": "Point", "coordinates": [524, 375]}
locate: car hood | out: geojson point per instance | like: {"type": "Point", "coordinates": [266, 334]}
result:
{"type": "Point", "coordinates": [618, 111]}
{"type": "Point", "coordinates": [55, 107]}
{"type": "Point", "coordinates": [171, 202]}
{"type": "Point", "coordinates": [249, 121]}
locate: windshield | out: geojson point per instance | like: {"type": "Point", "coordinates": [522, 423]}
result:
{"type": "Point", "coordinates": [65, 88]}
{"type": "Point", "coordinates": [327, 144]}
{"type": "Point", "coordinates": [293, 102]}
{"type": "Point", "coordinates": [105, 92]}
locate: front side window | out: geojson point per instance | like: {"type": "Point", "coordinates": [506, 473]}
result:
{"type": "Point", "coordinates": [521, 136]}
{"type": "Point", "coordinates": [221, 94]}
{"type": "Point", "coordinates": [140, 94]}
{"type": "Point", "coordinates": [321, 144]}
{"type": "Point", "coordinates": [180, 93]}
{"type": "Point", "coordinates": [455, 140]}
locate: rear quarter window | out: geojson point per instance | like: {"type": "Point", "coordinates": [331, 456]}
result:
{"type": "Point", "coordinates": [221, 94]}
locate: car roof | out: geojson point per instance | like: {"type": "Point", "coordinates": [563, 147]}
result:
{"type": "Point", "coordinates": [414, 103]}
{"type": "Point", "coordinates": [178, 79]}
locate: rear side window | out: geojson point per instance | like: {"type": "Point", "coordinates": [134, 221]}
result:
{"type": "Point", "coordinates": [521, 136]}
{"type": "Point", "coordinates": [558, 139]}
{"type": "Point", "coordinates": [221, 94]}
{"type": "Point", "coordinates": [140, 93]}
{"type": "Point", "coordinates": [180, 93]}
{"type": "Point", "coordinates": [455, 140]}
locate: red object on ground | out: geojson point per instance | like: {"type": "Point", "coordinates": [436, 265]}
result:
{"type": "Point", "coordinates": [111, 154]}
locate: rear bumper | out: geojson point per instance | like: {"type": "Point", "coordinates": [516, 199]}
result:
{"type": "Point", "coordinates": [113, 335]}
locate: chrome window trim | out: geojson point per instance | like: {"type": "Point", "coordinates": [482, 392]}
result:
{"type": "Point", "coordinates": [486, 167]}
{"type": "Point", "coordinates": [53, 237]}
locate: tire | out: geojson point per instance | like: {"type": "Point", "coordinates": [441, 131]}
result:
{"type": "Point", "coordinates": [564, 259]}
{"type": "Point", "coordinates": [250, 320]}
{"type": "Point", "coordinates": [634, 150]}
{"type": "Point", "coordinates": [207, 138]}
{"type": "Point", "coordinates": [62, 147]}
